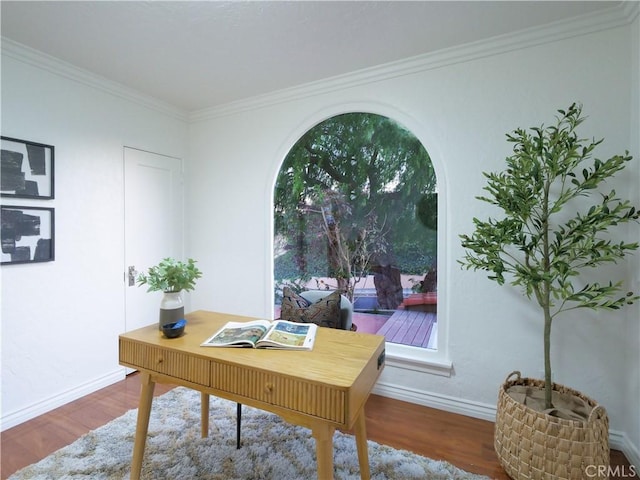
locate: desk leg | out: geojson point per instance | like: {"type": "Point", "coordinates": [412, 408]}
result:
{"type": "Point", "coordinates": [142, 424]}
{"type": "Point", "coordinates": [204, 414]}
{"type": "Point", "coordinates": [361, 444]}
{"type": "Point", "coordinates": [323, 433]}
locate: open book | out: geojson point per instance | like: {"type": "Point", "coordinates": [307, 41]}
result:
{"type": "Point", "coordinates": [265, 334]}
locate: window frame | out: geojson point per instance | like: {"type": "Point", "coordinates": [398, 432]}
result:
{"type": "Point", "coordinates": [435, 362]}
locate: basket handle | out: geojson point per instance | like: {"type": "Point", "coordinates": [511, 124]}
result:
{"type": "Point", "coordinates": [597, 412]}
{"type": "Point", "coordinates": [515, 372]}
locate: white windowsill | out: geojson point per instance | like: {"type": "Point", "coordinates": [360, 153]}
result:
{"type": "Point", "coordinates": [418, 359]}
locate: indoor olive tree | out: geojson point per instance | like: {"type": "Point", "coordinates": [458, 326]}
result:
{"type": "Point", "coordinates": [540, 242]}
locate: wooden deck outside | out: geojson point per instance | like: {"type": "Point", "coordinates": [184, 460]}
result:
{"type": "Point", "coordinates": [409, 327]}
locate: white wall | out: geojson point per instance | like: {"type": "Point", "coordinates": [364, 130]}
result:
{"type": "Point", "coordinates": [61, 320]}
{"type": "Point", "coordinates": [460, 110]}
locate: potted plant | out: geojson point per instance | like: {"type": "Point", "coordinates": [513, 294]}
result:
{"type": "Point", "coordinates": [544, 247]}
{"type": "Point", "coordinates": [171, 277]}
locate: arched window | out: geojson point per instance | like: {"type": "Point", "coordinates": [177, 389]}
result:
{"type": "Point", "coordinates": [355, 209]}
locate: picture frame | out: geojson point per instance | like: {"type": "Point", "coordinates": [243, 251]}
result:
{"type": "Point", "coordinates": [27, 169]}
{"type": "Point", "coordinates": [26, 234]}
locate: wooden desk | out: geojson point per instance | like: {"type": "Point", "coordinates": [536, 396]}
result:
{"type": "Point", "coordinates": [323, 389]}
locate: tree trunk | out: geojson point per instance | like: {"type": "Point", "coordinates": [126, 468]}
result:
{"type": "Point", "coordinates": [430, 282]}
{"type": "Point", "coordinates": [548, 383]}
{"type": "Point", "coordinates": [388, 286]}
{"type": "Point", "coordinates": [301, 247]}
{"type": "Point", "coordinates": [333, 252]}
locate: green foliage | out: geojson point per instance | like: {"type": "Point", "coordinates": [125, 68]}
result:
{"type": "Point", "coordinates": [537, 243]}
{"type": "Point", "coordinates": [427, 210]}
{"type": "Point", "coordinates": [413, 258]}
{"type": "Point", "coordinates": [417, 257]}
{"type": "Point", "coordinates": [286, 266]}
{"type": "Point", "coordinates": [367, 158]}
{"type": "Point", "coordinates": [374, 167]}
{"type": "Point", "coordinates": [171, 275]}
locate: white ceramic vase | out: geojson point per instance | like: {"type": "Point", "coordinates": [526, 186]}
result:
{"type": "Point", "coordinates": [171, 308]}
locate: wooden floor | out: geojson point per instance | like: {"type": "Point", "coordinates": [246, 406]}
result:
{"type": "Point", "coordinates": [464, 441]}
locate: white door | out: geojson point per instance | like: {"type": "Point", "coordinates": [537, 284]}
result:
{"type": "Point", "coordinates": [153, 226]}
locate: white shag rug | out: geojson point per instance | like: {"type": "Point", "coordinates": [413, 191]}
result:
{"type": "Point", "coordinates": [271, 449]}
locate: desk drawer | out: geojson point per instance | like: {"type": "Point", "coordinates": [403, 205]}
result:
{"type": "Point", "coordinates": [298, 395]}
{"type": "Point", "coordinates": [167, 362]}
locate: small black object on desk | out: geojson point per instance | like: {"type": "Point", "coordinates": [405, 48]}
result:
{"type": "Point", "coordinates": [174, 330]}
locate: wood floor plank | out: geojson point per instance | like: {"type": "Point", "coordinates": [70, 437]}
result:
{"type": "Point", "coordinates": [463, 441]}
{"type": "Point", "coordinates": [32, 441]}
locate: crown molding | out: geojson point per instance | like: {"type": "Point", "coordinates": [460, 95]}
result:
{"type": "Point", "coordinates": [38, 59]}
{"type": "Point", "coordinates": [631, 9]}
{"type": "Point", "coordinates": [622, 14]}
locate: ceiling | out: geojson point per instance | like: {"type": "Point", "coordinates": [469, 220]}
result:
{"type": "Point", "coordinates": [195, 55]}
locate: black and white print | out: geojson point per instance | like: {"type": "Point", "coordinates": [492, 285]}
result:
{"type": "Point", "coordinates": [27, 169]}
{"type": "Point", "coordinates": [27, 234]}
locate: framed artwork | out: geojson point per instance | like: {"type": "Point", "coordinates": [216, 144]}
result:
{"type": "Point", "coordinates": [27, 234]}
{"type": "Point", "coordinates": [27, 169]}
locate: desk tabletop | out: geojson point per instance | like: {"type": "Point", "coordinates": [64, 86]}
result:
{"type": "Point", "coordinates": [338, 357]}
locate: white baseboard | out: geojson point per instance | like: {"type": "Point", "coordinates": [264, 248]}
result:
{"type": "Point", "coordinates": [16, 418]}
{"type": "Point", "coordinates": [617, 440]}
{"type": "Point", "coordinates": [437, 400]}
{"type": "Point", "coordinates": [630, 450]}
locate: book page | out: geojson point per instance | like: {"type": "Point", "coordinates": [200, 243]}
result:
{"type": "Point", "coordinates": [292, 335]}
{"type": "Point", "coordinates": [238, 333]}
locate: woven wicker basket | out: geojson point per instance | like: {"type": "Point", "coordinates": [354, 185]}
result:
{"type": "Point", "coordinates": [534, 445]}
